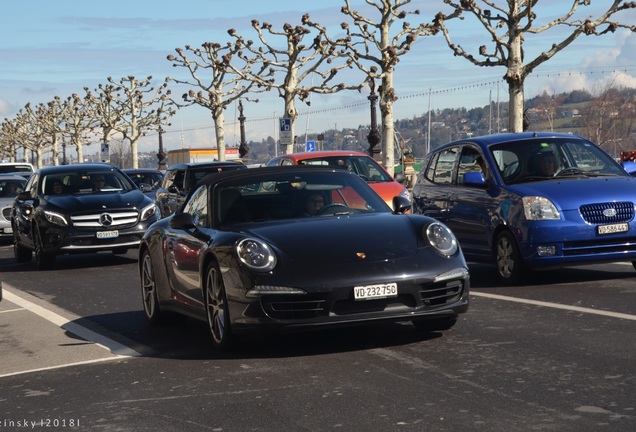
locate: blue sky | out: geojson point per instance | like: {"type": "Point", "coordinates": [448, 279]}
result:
{"type": "Point", "coordinates": [58, 48]}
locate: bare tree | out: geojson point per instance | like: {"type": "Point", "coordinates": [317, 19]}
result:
{"type": "Point", "coordinates": [376, 52]}
{"type": "Point", "coordinates": [37, 134]}
{"type": "Point", "coordinates": [76, 123]}
{"type": "Point", "coordinates": [141, 108]}
{"type": "Point", "coordinates": [219, 71]}
{"type": "Point", "coordinates": [102, 110]}
{"type": "Point", "coordinates": [506, 24]}
{"type": "Point", "coordinates": [609, 120]}
{"type": "Point", "coordinates": [15, 135]}
{"type": "Point", "coordinates": [286, 69]}
{"type": "Point", "coordinates": [52, 119]}
{"type": "Point", "coordinates": [548, 105]}
{"type": "Point", "coordinates": [120, 154]}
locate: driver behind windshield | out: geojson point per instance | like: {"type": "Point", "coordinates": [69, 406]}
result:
{"type": "Point", "coordinates": [548, 165]}
{"type": "Point", "coordinates": [313, 204]}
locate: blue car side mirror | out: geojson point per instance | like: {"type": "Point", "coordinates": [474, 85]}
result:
{"type": "Point", "coordinates": [474, 179]}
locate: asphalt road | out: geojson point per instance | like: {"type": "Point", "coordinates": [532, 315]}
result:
{"type": "Point", "coordinates": [556, 353]}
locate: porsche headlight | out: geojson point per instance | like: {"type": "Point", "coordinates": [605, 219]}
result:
{"type": "Point", "coordinates": [441, 239]}
{"type": "Point", "coordinates": [148, 212]}
{"type": "Point", "coordinates": [55, 218]}
{"type": "Point", "coordinates": [539, 208]}
{"type": "Point", "coordinates": [256, 254]}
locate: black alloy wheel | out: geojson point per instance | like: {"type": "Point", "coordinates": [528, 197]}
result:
{"type": "Point", "coordinates": [216, 308]}
{"type": "Point", "coordinates": [149, 290]}
{"type": "Point", "coordinates": [43, 260]}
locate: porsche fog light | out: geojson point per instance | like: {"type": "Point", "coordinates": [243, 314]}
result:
{"type": "Point", "coordinates": [256, 254]}
{"type": "Point", "coordinates": [441, 239]}
{"type": "Point", "coordinates": [546, 250]}
{"type": "Point", "coordinates": [261, 290]}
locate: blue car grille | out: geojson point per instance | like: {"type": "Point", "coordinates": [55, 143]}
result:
{"type": "Point", "coordinates": [593, 213]}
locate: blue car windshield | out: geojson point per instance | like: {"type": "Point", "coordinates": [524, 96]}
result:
{"type": "Point", "coordinates": [545, 159]}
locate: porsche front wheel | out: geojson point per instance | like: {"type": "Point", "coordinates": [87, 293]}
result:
{"type": "Point", "coordinates": [149, 290]}
{"type": "Point", "coordinates": [216, 308]}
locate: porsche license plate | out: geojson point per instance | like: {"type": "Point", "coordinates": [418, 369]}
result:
{"type": "Point", "coordinates": [107, 234]}
{"type": "Point", "coordinates": [369, 292]}
{"type": "Point", "coordinates": [614, 228]}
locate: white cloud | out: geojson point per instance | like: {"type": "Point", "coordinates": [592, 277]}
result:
{"type": "Point", "coordinates": [5, 108]}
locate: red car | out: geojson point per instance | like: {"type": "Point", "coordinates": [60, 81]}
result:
{"type": "Point", "coordinates": [360, 163]}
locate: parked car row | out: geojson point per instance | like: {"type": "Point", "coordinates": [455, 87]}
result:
{"type": "Point", "coordinates": [330, 238]}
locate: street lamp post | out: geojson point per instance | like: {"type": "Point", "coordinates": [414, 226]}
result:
{"type": "Point", "coordinates": [64, 161]}
{"type": "Point", "coordinates": [374, 136]}
{"type": "Point", "coordinates": [161, 156]}
{"type": "Point", "coordinates": [243, 148]}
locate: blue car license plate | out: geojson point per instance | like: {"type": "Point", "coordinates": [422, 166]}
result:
{"type": "Point", "coordinates": [611, 229]}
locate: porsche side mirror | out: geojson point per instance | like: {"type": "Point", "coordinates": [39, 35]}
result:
{"type": "Point", "coordinates": [182, 221]}
{"type": "Point", "coordinates": [401, 204]}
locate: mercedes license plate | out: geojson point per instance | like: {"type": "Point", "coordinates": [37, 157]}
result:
{"type": "Point", "coordinates": [370, 292]}
{"type": "Point", "coordinates": [107, 234]}
{"type": "Point", "coordinates": [614, 228]}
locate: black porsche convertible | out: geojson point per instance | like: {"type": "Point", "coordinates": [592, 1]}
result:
{"type": "Point", "coordinates": [296, 248]}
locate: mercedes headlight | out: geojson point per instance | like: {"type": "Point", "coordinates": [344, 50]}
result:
{"type": "Point", "coordinates": [55, 218]}
{"type": "Point", "coordinates": [148, 212]}
{"type": "Point", "coordinates": [441, 239]}
{"type": "Point", "coordinates": [256, 254]}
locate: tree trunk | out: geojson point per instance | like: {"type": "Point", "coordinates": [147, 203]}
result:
{"type": "Point", "coordinates": [292, 114]}
{"type": "Point", "coordinates": [80, 155]}
{"type": "Point", "coordinates": [219, 119]}
{"type": "Point", "coordinates": [515, 77]}
{"type": "Point", "coordinates": [388, 128]}
{"type": "Point", "coordinates": [134, 145]}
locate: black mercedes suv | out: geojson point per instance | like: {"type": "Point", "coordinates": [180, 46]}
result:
{"type": "Point", "coordinates": [79, 208]}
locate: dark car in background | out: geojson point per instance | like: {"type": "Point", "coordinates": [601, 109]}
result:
{"type": "Point", "coordinates": [242, 256]}
{"type": "Point", "coordinates": [77, 209]}
{"type": "Point", "coordinates": [180, 179]}
{"type": "Point", "coordinates": [10, 187]}
{"type": "Point", "coordinates": [532, 200]}
{"type": "Point", "coordinates": [146, 179]}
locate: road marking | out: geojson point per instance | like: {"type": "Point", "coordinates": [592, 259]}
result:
{"type": "Point", "coordinates": [11, 310]}
{"type": "Point", "coordinates": [117, 349]}
{"type": "Point", "coordinates": [555, 305]}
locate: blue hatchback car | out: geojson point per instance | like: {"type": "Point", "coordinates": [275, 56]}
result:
{"type": "Point", "coordinates": [530, 200]}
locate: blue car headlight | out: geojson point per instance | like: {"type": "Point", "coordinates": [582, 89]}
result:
{"type": "Point", "coordinates": [255, 254]}
{"type": "Point", "coordinates": [539, 208]}
{"type": "Point", "coordinates": [441, 239]}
